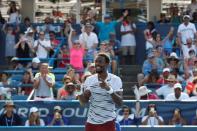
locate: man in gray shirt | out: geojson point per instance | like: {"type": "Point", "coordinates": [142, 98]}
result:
{"type": "Point", "coordinates": [43, 83]}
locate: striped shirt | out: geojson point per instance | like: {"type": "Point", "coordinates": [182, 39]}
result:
{"type": "Point", "coordinates": [102, 107]}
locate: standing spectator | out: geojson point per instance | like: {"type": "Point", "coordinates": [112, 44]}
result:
{"type": "Point", "coordinates": [14, 15]}
{"type": "Point", "coordinates": [29, 34]}
{"type": "Point", "coordinates": [186, 30]}
{"type": "Point", "coordinates": [65, 56]}
{"type": "Point", "coordinates": [10, 43]}
{"type": "Point", "coordinates": [43, 83]}
{"type": "Point", "coordinates": [28, 82]}
{"type": "Point", "coordinates": [54, 41]}
{"type": "Point", "coordinates": [191, 8]}
{"type": "Point", "coordinates": [177, 118]}
{"type": "Point", "coordinates": [177, 94]}
{"type": "Point", "coordinates": [2, 20]}
{"type": "Point", "coordinates": [9, 117]}
{"type": "Point", "coordinates": [90, 41]}
{"type": "Point", "coordinates": [167, 89]}
{"type": "Point", "coordinates": [34, 118]}
{"type": "Point", "coordinates": [152, 117]}
{"type": "Point", "coordinates": [76, 53]}
{"type": "Point", "coordinates": [108, 26]}
{"type": "Point", "coordinates": [57, 119]}
{"type": "Point", "coordinates": [25, 25]}
{"type": "Point", "coordinates": [42, 46]}
{"type": "Point", "coordinates": [23, 49]}
{"type": "Point", "coordinates": [175, 17]}
{"type": "Point", "coordinates": [104, 90]}
{"type": "Point", "coordinates": [115, 43]}
{"type": "Point", "coordinates": [128, 42]}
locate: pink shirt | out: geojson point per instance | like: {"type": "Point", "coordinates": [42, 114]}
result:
{"type": "Point", "coordinates": [76, 57]}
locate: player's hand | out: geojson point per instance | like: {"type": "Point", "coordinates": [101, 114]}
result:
{"type": "Point", "coordinates": [104, 85]}
{"type": "Point", "coordinates": [87, 93]}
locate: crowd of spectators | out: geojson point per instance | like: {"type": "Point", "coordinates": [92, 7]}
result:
{"type": "Point", "coordinates": [171, 62]}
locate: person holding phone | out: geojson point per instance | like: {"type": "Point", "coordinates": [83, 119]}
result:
{"type": "Point", "coordinates": [152, 118]}
{"type": "Point", "coordinates": [177, 118]}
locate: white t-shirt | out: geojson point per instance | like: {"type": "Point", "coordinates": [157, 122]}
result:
{"type": "Point", "coordinates": [41, 123]}
{"type": "Point", "coordinates": [89, 40]}
{"type": "Point", "coordinates": [183, 96]}
{"type": "Point", "coordinates": [42, 52]}
{"type": "Point", "coordinates": [164, 91]}
{"type": "Point", "coordinates": [14, 18]}
{"type": "Point", "coordinates": [186, 50]}
{"type": "Point", "coordinates": [152, 121]}
{"type": "Point", "coordinates": [102, 107]}
{"type": "Point", "coordinates": [128, 39]}
{"type": "Point", "coordinates": [186, 31]}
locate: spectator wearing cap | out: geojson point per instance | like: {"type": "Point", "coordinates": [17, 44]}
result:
{"type": "Point", "coordinates": [57, 119]}
{"type": "Point", "coordinates": [29, 35]}
{"type": "Point", "coordinates": [62, 91]}
{"type": "Point", "coordinates": [9, 117]}
{"type": "Point", "coordinates": [128, 42]}
{"type": "Point", "coordinates": [108, 26]}
{"type": "Point", "coordinates": [43, 83]}
{"type": "Point", "coordinates": [188, 47]}
{"type": "Point", "coordinates": [77, 52]}
{"type": "Point", "coordinates": [173, 61]}
{"type": "Point", "coordinates": [34, 118]}
{"type": "Point", "coordinates": [146, 94]}
{"type": "Point", "coordinates": [70, 89]}
{"type": "Point", "coordinates": [186, 30]}
{"type": "Point", "coordinates": [152, 118]}
{"type": "Point", "coordinates": [35, 65]}
{"type": "Point", "coordinates": [42, 46]}
{"type": "Point", "coordinates": [177, 94]}
{"type": "Point", "coordinates": [167, 89]}
{"type": "Point", "coordinates": [90, 41]}
{"type": "Point", "coordinates": [164, 76]}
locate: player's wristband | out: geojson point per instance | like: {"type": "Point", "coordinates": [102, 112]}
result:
{"type": "Point", "coordinates": [111, 91]}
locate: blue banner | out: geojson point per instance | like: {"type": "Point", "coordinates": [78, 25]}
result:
{"type": "Point", "coordinates": [77, 114]}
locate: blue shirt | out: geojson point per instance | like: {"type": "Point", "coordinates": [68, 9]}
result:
{"type": "Point", "coordinates": [105, 29]}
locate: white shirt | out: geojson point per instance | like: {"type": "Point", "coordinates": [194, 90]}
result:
{"type": "Point", "coordinates": [102, 107]}
{"type": "Point", "coordinates": [14, 18]}
{"type": "Point", "coordinates": [152, 120]}
{"type": "Point", "coordinates": [128, 39]}
{"type": "Point", "coordinates": [186, 50]}
{"type": "Point", "coordinates": [164, 91]}
{"type": "Point", "coordinates": [88, 40]}
{"type": "Point", "coordinates": [186, 31]}
{"type": "Point", "coordinates": [42, 52]}
{"type": "Point", "coordinates": [183, 96]}
{"type": "Point", "coordinates": [41, 123]}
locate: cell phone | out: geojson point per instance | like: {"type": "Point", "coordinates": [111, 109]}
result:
{"type": "Point", "coordinates": [152, 109]}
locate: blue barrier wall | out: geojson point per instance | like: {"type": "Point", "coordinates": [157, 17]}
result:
{"type": "Point", "coordinates": [77, 114]}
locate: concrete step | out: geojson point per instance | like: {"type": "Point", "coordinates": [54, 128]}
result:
{"type": "Point", "coordinates": [128, 90]}
{"type": "Point", "coordinates": [129, 70]}
{"type": "Point", "coordinates": [129, 78]}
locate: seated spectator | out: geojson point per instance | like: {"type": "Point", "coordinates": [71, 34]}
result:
{"type": "Point", "coordinates": [42, 46]}
{"type": "Point", "coordinates": [23, 49]}
{"type": "Point", "coordinates": [187, 47]}
{"type": "Point", "coordinates": [164, 76]}
{"type": "Point", "coordinates": [9, 117]}
{"type": "Point", "coordinates": [178, 94]}
{"type": "Point", "coordinates": [75, 77]}
{"type": "Point", "coordinates": [28, 82]}
{"type": "Point", "coordinates": [65, 56]}
{"type": "Point", "coordinates": [62, 91]}
{"type": "Point", "coordinates": [151, 78]}
{"type": "Point", "coordinates": [127, 118]}
{"type": "Point", "coordinates": [91, 68]}
{"type": "Point", "coordinates": [194, 120]}
{"type": "Point", "coordinates": [43, 84]}
{"type": "Point", "coordinates": [163, 19]}
{"type": "Point", "coordinates": [177, 118]}
{"type": "Point", "coordinates": [173, 61]}
{"type": "Point", "coordinates": [29, 35]}
{"type": "Point", "coordinates": [34, 118]}
{"type": "Point", "coordinates": [194, 90]}
{"type": "Point", "coordinates": [146, 94]}
{"type": "Point", "coordinates": [77, 53]}
{"type": "Point", "coordinates": [57, 119]}
{"type": "Point", "coordinates": [35, 65]}
{"type": "Point", "coordinates": [54, 41]}
{"type": "Point", "coordinates": [152, 118]}
{"type": "Point", "coordinates": [167, 89]}
{"type": "Point", "coordinates": [25, 25]}
{"type": "Point", "coordinates": [70, 89]}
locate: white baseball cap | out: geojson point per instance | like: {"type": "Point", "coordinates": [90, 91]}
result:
{"type": "Point", "coordinates": [33, 109]}
{"type": "Point", "coordinates": [143, 90]}
{"type": "Point", "coordinates": [166, 70]}
{"type": "Point", "coordinates": [177, 85]}
{"type": "Point", "coordinates": [36, 60]}
{"type": "Point", "coordinates": [57, 108]}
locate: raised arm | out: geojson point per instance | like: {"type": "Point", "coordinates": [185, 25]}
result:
{"type": "Point", "coordinates": [70, 38]}
{"type": "Point", "coordinates": [122, 17]}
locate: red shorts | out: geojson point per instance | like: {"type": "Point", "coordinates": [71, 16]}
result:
{"type": "Point", "coordinates": [108, 126]}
